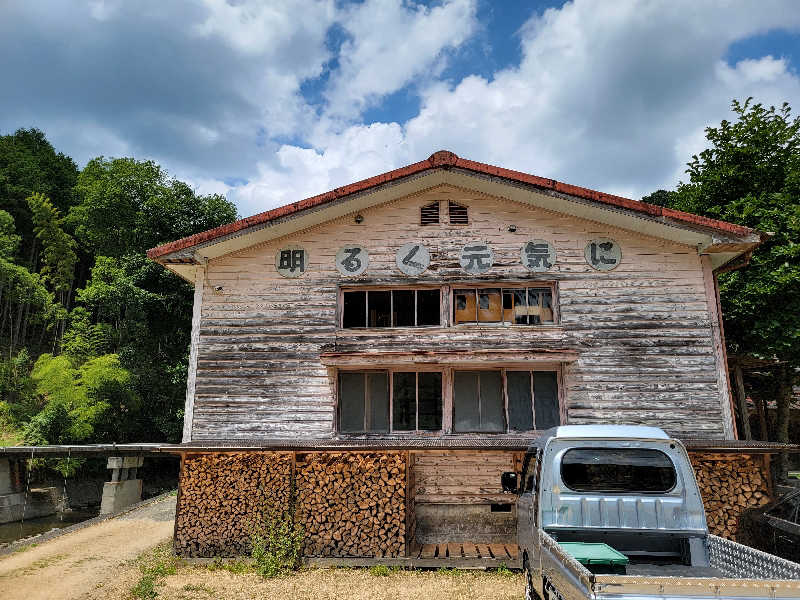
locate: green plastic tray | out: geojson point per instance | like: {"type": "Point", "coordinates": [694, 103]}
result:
{"type": "Point", "coordinates": [594, 554]}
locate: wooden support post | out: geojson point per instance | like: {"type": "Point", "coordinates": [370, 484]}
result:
{"type": "Point", "coordinates": [761, 404]}
{"type": "Point", "coordinates": [741, 398]}
{"type": "Point", "coordinates": [178, 506]}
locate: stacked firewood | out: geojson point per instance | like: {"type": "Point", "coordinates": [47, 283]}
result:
{"type": "Point", "coordinates": [729, 487]}
{"type": "Point", "coordinates": [223, 497]}
{"type": "Point", "coordinates": [352, 504]}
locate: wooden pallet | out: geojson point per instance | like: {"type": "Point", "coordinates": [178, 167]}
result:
{"type": "Point", "coordinates": [457, 555]}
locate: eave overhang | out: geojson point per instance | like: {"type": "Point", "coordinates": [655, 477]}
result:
{"type": "Point", "coordinates": [722, 241]}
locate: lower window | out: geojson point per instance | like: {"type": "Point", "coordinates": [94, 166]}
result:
{"type": "Point", "coordinates": [504, 400]}
{"type": "Point", "coordinates": [382, 401]}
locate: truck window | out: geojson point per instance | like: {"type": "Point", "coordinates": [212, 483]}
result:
{"type": "Point", "coordinates": [620, 470]}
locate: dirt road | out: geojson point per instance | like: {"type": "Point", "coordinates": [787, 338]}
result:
{"type": "Point", "coordinates": [76, 564]}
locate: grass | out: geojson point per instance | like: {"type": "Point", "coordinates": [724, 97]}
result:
{"type": "Point", "coordinates": [154, 565]}
{"type": "Point", "coordinates": [236, 566]}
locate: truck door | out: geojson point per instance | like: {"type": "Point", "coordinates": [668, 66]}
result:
{"type": "Point", "coordinates": [528, 517]}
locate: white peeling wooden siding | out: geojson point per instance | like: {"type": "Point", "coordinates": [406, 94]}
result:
{"type": "Point", "coordinates": [643, 330]}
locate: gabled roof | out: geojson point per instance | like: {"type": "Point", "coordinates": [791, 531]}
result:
{"type": "Point", "coordinates": [712, 236]}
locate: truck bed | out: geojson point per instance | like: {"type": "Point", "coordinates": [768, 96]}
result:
{"type": "Point", "coordinates": [742, 570]}
{"type": "Point", "coordinates": [651, 570]}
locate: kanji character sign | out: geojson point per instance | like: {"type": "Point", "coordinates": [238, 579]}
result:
{"type": "Point", "coordinates": [476, 257]}
{"type": "Point", "coordinates": [603, 254]}
{"type": "Point", "coordinates": [352, 260]}
{"type": "Point", "coordinates": [412, 259]}
{"type": "Point", "coordinates": [538, 255]}
{"type": "Point", "coordinates": [291, 261]}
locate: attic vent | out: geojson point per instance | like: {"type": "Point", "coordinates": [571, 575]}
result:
{"type": "Point", "coordinates": [458, 214]}
{"type": "Point", "coordinates": [429, 214]}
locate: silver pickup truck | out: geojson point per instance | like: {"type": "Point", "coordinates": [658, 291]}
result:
{"type": "Point", "coordinates": [614, 512]}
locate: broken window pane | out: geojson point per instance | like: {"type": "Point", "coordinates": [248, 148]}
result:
{"type": "Point", "coordinates": [429, 307]}
{"type": "Point", "coordinates": [547, 306]}
{"type": "Point", "coordinates": [540, 305]}
{"type": "Point", "coordinates": [354, 309]}
{"type": "Point", "coordinates": [403, 309]}
{"type": "Point", "coordinates": [520, 307]}
{"type": "Point", "coordinates": [520, 401]}
{"type": "Point", "coordinates": [464, 306]}
{"type": "Point", "coordinates": [490, 307]}
{"type": "Point", "coordinates": [545, 394]}
{"type": "Point", "coordinates": [404, 401]}
{"type": "Point", "coordinates": [380, 309]}
{"type": "Point", "coordinates": [492, 406]}
{"type": "Point", "coordinates": [378, 388]}
{"type": "Point", "coordinates": [351, 401]}
{"type": "Point", "coordinates": [430, 401]}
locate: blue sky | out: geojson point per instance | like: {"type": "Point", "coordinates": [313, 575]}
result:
{"type": "Point", "coordinates": [273, 102]}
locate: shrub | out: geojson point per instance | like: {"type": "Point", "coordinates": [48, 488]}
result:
{"type": "Point", "coordinates": [277, 542]}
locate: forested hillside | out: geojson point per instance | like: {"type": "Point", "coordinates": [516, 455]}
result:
{"type": "Point", "coordinates": [94, 338]}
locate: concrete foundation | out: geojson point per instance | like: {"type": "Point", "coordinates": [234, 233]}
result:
{"type": "Point", "coordinates": [478, 523]}
{"type": "Point", "coordinates": [124, 488]}
{"type": "Point", "coordinates": [40, 502]}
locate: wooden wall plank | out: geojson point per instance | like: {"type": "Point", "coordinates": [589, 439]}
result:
{"type": "Point", "coordinates": [645, 333]}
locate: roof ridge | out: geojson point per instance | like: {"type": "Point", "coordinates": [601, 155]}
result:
{"type": "Point", "coordinates": [445, 159]}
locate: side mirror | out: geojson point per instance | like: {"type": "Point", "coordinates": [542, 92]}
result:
{"type": "Point", "coordinates": [508, 481]}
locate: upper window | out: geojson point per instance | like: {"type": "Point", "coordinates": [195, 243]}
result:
{"type": "Point", "coordinates": [615, 470]}
{"type": "Point", "coordinates": [429, 214]}
{"type": "Point", "coordinates": [504, 400]}
{"type": "Point", "coordinates": [380, 401]}
{"type": "Point", "coordinates": [515, 306]}
{"type": "Point", "coordinates": [458, 214]}
{"type": "Point", "coordinates": [391, 308]}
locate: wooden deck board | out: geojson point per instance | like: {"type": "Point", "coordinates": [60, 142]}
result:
{"type": "Point", "coordinates": [458, 555]}
{"type": "Point", "coordinates": [454, 550]}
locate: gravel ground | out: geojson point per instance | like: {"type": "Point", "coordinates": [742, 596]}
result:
{"type": "Point", "coordinates": [80, 562]}
{"type": "Point", "coordinates": [104, 561]}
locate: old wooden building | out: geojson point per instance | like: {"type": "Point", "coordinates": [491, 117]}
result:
{"type": "Point", "coordinates": [380, 353]}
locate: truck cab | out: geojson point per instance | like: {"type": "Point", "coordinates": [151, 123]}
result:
{"type": "Point", "coordinates": [616, 507]}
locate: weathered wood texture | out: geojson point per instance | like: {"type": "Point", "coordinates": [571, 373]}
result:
{"type": "Point", "coordinates": [353, 504]}
{"type": "Point", "coordinates": [460, 476]}
{"type": "Point", "coordinates": [453, 492]}
{"type": "Point", "coordinates": [223, 496]}
{"type": "Point", "coordinates": [643, 331]}
{"type": "Point", "coordinates": [730, 485]}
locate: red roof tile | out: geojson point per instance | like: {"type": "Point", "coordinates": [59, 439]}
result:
{"type": "Point", "coordinates": [445, 159]}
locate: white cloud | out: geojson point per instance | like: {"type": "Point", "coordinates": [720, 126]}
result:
{"type": "Point", "coordinates": [610, 95]}
{"type": "Point", "coordinates": [256, 27]}
{"type": "Point", "coordinates": [357, 153]}
{"type": "Point", "coordinates": [613, 96]}
{"type": "Point", "coordinates": [391, 44]}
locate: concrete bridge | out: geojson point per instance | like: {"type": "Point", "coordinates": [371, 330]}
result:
{"type": "Point", "coordinates": [18, 501]}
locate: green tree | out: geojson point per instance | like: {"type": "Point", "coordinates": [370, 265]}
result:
{"type": "Point", "coordinates": [130, 206]}
{"type": "Point", "coordinates": [95, 401]}
{"type": "Point", "coordinates": [750, 175]}
{"type": "Point", "coordinates": [29, 164]}
{"type": "Point", "coordinates": [58, 247]}
{"type": "Point", "coordinates": [9, 240]}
